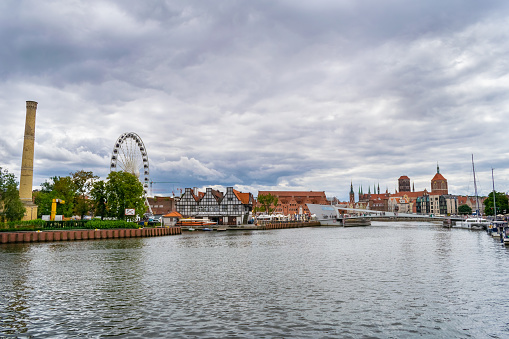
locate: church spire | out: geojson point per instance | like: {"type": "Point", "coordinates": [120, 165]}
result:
{"type": "Point", "coordinates": [438, 169]}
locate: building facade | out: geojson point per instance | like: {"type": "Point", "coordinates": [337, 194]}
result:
{"type": "Point", "coordinates": [231, 208]}
{"type": "Point", "coordinates": [294, 202]}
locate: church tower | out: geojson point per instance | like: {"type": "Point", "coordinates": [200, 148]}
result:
{"type": "Point", "coordinates": [352, 194]}
{"type": "Point", "coordinates": [439, 184]}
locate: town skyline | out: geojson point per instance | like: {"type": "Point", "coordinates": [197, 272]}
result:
{"type": "Point", "coordinates": [262, 95]}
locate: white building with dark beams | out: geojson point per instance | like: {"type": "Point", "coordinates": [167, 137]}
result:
{"type": "Point", "coordinates": [232, 208]}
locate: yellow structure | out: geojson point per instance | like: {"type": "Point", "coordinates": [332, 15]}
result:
{"type": "Point", "coordinates": [54, 208]}
{"type": "Point", "coordinates": [27, 163]}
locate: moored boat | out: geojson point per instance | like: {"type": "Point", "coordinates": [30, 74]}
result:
{"type": "Point", "coordinates": [496, 228]}
{"type": "Point", "coordinates": [472, 224]}
{"type": "Point", "coordinates": [195, 222]}
{"type": "Point", "coordinates": [504, 236]}
{"type": "Point", "coordinates": [356, 222]}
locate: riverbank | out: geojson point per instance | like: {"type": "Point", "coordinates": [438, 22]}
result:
{"type": "Point", "coordinates": [71, 235]}
{"type": "Point", "coordinates": [253, 227]}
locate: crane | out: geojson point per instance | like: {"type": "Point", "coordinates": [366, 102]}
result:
{"type": "Point", "coordinates": [161, 182]}
{"type": "Point", "coordinates": [54, 203]}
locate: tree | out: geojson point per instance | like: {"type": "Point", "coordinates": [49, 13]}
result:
{"type": "Point", "coordinates": [266, 200]}
{"type": "Point", "coordinates": [83, 181]}
{"type": "Point", "coordinates": [99, 196]}
{"type": "Point", "coordinates": [58, 188]}
{"type": "Point", "coordinates": [501, 202]}
{"type": "Point", "coordinates": [464, 209]}
{"type": "Point", "coordinates": [124, 190]}
{"type": "Point", "coordinates": [12, 209]}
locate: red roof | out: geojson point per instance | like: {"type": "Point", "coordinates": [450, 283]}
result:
{"type": "Point", "coordinates": [243, 197]}
{"type": "Point", "coordinates": [173, 214]}
{"type": "Point", "coordinates": [404, 177]}
{"type": "Point", "coordinates": [438, 176]}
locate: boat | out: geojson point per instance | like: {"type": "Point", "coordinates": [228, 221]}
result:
{"type": "Point", "coordinates": [326, 215]}
{"type": "Point", "coordinates": [356, 222]}
{"type": "Point", "coordinates": [496, 228]}
{"type": "Point", "coordinates": [504, 235]}
{"type": "Point", "coordinates": [190, 229]}
{"type": "Point", "coordinates": [207, 229]}
{"type": "Point", "coordinates": [195, 222]}
{"type": "Point", "coordinates": [473, 223]}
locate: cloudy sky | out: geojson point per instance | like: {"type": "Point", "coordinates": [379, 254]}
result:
{"type": "Point", "coordinates": [262, 95]}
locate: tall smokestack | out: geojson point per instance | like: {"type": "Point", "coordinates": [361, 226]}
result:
{"type": "Point", "coordinates": [27, 162]}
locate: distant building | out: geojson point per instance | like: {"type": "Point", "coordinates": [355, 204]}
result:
{"type": "Point", "coordinates": [232, 208]}
{"type": "Point", "coordinates": [294, 202]}
{"type": "Point", "coordinates": [470, 201]}
{"type": "Point", "coordinates": [406, 199]}
{"type": "Point", "coordinates": [404, 184]}
{"type": "Point", "coordinates": [161, 205]}
{"type": "Point", "coordinates": [439, 184]}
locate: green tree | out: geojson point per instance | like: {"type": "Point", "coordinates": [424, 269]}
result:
{"type": "Point", "coordinates": [83, 181]}
{"type": "Point", "coordinates": [57, 188]}
{"type": "Point", "coordinates": [124, 190]}
{"type": "Point", "coordinates": [464, 209]}
{"type": "Point", "coordinates": [12, 209]}
{"type": "Point", "coordinates": [99, 198]}
{"type": "Point", "coordinates": [501, 202]}
{"type": "Point", "coordinates": [266, 200]}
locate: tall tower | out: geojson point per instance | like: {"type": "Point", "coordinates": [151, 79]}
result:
{"type": "Point", "coordinates": [352, 194]}
{"type": "Point", "coordinates": [439, 184]}
{"type": "Point", "coordinates": [404, 183]}
{"type": "Point", "coordinates": [27, 163]}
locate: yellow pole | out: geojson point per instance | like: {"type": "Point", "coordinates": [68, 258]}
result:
{"type": "Point", "coordinates": [54, 208]}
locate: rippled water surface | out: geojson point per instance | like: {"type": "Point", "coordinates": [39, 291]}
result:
{"type": "Point", "coordinates": [390, 280]}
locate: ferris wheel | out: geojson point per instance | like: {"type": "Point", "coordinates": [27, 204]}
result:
{"type": "Point", "coordinates": [130, 155]}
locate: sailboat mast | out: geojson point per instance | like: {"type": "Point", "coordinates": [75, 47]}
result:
{"type": "Point", "coordinates": [494, 205]}
{"type": "Point", "coordinates": [475, 188]}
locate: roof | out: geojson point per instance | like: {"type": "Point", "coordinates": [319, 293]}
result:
{"type": "Point", "coordinates": [243, 197]}
{"type": "Point", "coordinates": [438, 176]}
{"type": "Point", "coordinates": [173, 214]}
{"type": "Point", "coordinates": [294, 193]}
{"type": "Point", "coordinates": [404, 177]}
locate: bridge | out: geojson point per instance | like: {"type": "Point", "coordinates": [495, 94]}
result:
{"type": "Point", "coordinates": [394, 216]}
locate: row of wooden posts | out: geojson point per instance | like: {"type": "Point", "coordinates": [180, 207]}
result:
{"type": "Point", "coordinates": [67, 235]}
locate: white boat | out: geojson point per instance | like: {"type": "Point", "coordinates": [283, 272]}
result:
{"type": "Point", "coordinates": [473, 224]}
{"type": "Point", "coordinates": [326, 215]}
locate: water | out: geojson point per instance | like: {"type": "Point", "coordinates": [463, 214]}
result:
{"type": "Point", "coordinates": [391, 280]}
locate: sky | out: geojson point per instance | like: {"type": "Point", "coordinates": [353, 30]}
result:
{"type": "Point", "coordinates": [262, 95]}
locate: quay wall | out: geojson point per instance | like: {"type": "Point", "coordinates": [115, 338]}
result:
{"type": "Point", "coordinates": [278, 225]}
{"type": "Point", "coordinates": [398, 218]}
{"type": "Point", "coordinates": [71, 235]}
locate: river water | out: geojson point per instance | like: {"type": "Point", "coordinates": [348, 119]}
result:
{"type": "Point", "coordinates": [390, 280]}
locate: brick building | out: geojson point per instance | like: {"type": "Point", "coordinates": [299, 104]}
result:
{"type": "Point", "coordinates": [294, 202]}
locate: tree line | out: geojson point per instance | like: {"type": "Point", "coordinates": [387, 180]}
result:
{"type": "Point", "coordinates": [84, 194]}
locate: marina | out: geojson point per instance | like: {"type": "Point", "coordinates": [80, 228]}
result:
{"type": "Point", "coordinates": [391, 279]}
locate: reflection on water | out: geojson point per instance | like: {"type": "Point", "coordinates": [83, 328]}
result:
{"type": "Point", "coordinates": [388, 280]}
